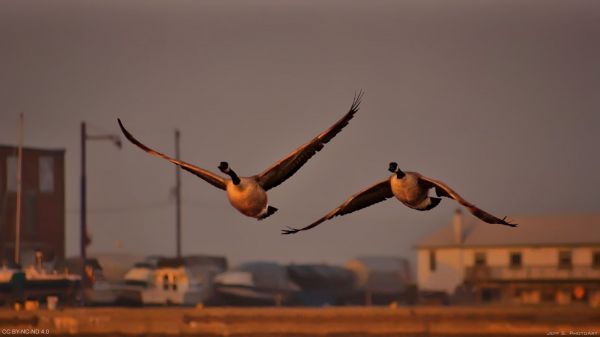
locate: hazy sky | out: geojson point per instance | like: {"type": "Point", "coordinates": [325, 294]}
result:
{"type": "Point", "coordinates": [499, 99]}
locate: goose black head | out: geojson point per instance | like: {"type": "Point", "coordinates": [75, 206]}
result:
{"type": "Point", "coordinates": [224, 167]}
{"type": "Point", "coordinates": [395, 169]}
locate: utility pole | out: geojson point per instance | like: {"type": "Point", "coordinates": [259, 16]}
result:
{"type": "Point", "coordinates": [19, 192]}
{"type": "Point", "coordinates": [177, 196]}
{"type": "Point", "coordinates": [83, 206]}
{"type": "Point", "coordinates": [83, 198]}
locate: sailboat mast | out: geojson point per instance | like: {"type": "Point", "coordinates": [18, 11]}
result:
{"type": "Point", "coordinates": [19, 192]}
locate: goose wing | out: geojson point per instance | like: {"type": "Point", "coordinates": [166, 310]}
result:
{"type": "Point", "coordinates": [372, 195]}
{"type": "Point", "coordinates": [208, 176]}
{"type": "Point", "coordinates": [443, 190]}
{"type": "Point", "coordinates": [286, 167]}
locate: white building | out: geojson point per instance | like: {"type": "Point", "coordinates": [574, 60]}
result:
{"type": "Point", "coordinates": [544, 259]}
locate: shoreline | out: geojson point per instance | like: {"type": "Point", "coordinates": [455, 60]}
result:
{"type": "Point", "coordinates": [332, 321]}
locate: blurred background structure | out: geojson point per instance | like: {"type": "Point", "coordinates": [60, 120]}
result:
{"type": "Point", "coordinates": [498, 99]}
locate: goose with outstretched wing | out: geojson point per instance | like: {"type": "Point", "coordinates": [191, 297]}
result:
{"type": "Point", "coordinates": [412, 189]}
{"type": "Point", "coordinates": [248, 194]}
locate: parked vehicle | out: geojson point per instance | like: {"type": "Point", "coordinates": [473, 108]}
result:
{"type": "Point", "coordinates": [161, 280]}
{"type": "Point", "coordinates": [381, 280]}
{"type": "Point", "coordinates": [321, 284]}
{"type": "Point", "coordinates": [255, 283]}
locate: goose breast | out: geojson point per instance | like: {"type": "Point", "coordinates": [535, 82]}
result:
{"type": "Point", "coordinates": [247, 197]}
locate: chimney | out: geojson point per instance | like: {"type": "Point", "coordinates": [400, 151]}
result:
{"type": "Point", "coordinates": [457, 226]}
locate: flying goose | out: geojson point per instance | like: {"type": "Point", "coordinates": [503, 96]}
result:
{"type": "Point", "coordinates": [412, 189]}
{"type": "Point", "coordinates": [248, 194]}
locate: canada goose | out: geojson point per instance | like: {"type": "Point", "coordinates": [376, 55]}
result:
{"type": "Point", "coordinates": [412, 189]}
{"type": "Point", "coordinates": [248, 194]}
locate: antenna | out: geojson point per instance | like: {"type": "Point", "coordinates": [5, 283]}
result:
{"type": "Point", "coordinates": [19, 192]}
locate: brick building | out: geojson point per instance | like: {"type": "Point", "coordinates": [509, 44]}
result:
{"type": "Point", "coordinates": [42, 204]}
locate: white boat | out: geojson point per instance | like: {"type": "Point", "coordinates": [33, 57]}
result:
{"type": "Point", "coordinates": [34, 283]}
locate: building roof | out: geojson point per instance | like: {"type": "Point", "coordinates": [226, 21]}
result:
{"type": "Point", "coordinates": [381, 263]}
{"type": "Point", "coordinates": [157, 261]}
{"type": "Point", "coordinates": [546, 230]}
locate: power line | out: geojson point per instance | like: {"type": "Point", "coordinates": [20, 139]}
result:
{"type": "Point", "coordinates": [124, 209]}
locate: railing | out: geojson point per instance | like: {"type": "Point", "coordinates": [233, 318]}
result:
{"type": "Point", "coordinates": [488, 273]}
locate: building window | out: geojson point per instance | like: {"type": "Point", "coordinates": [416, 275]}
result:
{"type": "Point", "coordinates": [564, 259]}
{"type": "Point", "coordinates": [46, 172]}
{"type": "Point", "coordinates": [480, 259]}
{"type": "Point", "coordinates": [29, 222]}
{"type": "Point", "coordinates": [11, 173]}
{"type": "Point", "coordinates": [165, 282]}
{"type": "Point", "coordinates": [596, 259]}
{"type": "Point", "coordinates": [432, 260]}
{"type": "Point", "coordinates": [516, 260]}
